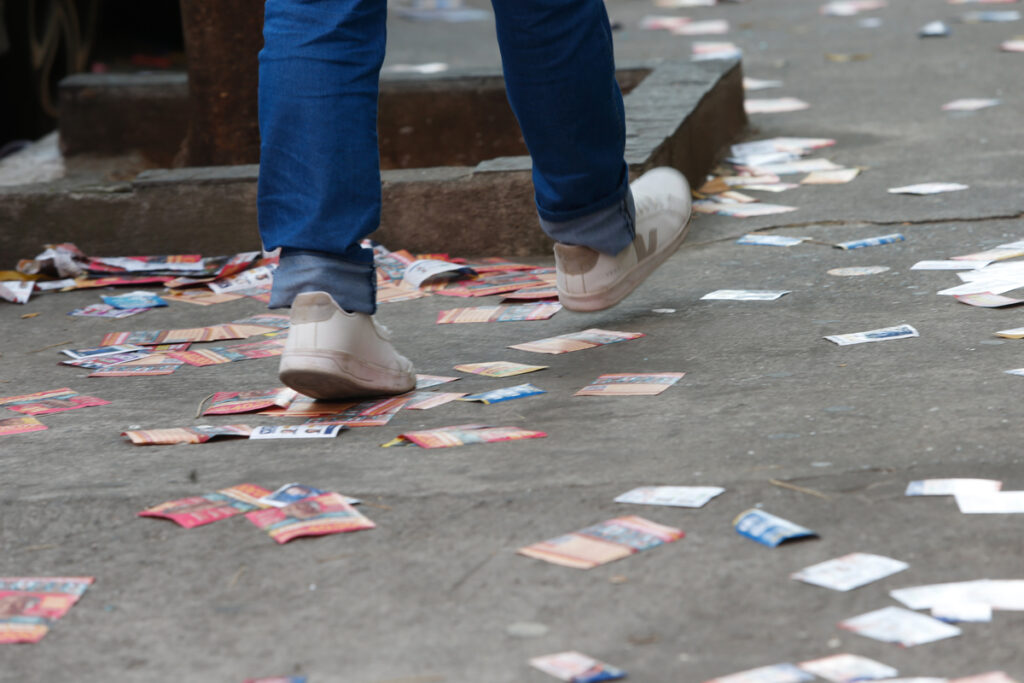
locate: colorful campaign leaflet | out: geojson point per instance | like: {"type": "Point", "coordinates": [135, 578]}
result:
{"type": "Point", "coordinates": [498, 314]}
{"type": "Point", "coordinates": [54, 401]}
{"type": "Point", "coordinates": [81, 354]}
{"type": "Point", "coordinates": [576, 668]}
{"type": "Point", "coordinates": [882, 334]}
{"type": "Point", "coordinates": [847, 668]}
{"type": "Point", "coordinates": [303, 406]}
{"type": "Point", "coordinates": [305, 431]}
{"type": "Point", "coordinates": [425, 400]}
{"type": "Point", "coordinates": [291, 493]}
{"type": "Point", "coordinates": [210, 507]}
{"type": "Point", "coordinates": [626, 384]}
{"type": "Point", "coordinates": [162, 348]}
{"type": "Point", "coordinates": [461, 435]}
{"type": "Point", "coordinates": [927, 188]}
{"type": "Point", "coordinates": [232, 402]}
{"type": "Point", "coordinates": [327, 513]}
{"type": "Point", "coordinates": [770, 240]}
{"type": "Point", "coordinates": [576, 341]}
{"type": "Point", "coordinates": [139, 299]}
{"type": "Point", "coordinates": [901, 626]}
{"type": "Point", "coordinates": [850, 571]}
{"type": "Point", "coordinates": [151, 337]}
{"type": "Point", "coordinates": [16, 291]}
{"type": "Point", "coordinates": [775, 673]}
{"type": "Point", "coordinates": [20, 425]}
{"type": "Point", "coordinates": [217, 355]}
{"type": "Point", "coordinates": [744, 295]}
{"type": "Point", "coordinates": [272, 321]}
{"type": "Point", "coordinates": [606, 542]}
{"type": "Point", "coordinates": [392, 292]}
{"type": "Point", "coordinates": [176, 435]}
{"type": "Point", "coordinates": [498, 368]}
{"type": "Point", "coordinates": [987, 300]}
{"type": "Point", "coordinates": [203, 297]}
{"type": "Point", "coordinates": [425, 270]}
{"type": "Point", "coordinates": [952, 487]}
{"type": "Point", "coordinates": [105, 361]}
{"type": "Point", "coordinates": [151, 364]}
{"type": "Point", "coordinates": [253, 277]}
{"type": "Point", "coordinates": [871, 241]}
{"type": "Point", "coordinates": [105, 311]}
{"type": "Point", "coordinates": [1001, 502]}
{"type": "Point", "coordinates": [494, 264]}
{"type": "Point", "coordinates": [767, 529]}
{"type": "Point", "coordinates": [30, 604]}
{"type": "Point", "coordinates": [532, 294]}
{"type": "Point", "coordinates": [81, 283]}
{"type": "Point", "coordinates": [505, 394]}
{"type": "Point", "coordinates": [489, 284]}
{"type": "Point", "coordinates": [674, 496]}
{"type": "Point", "coordinates": [136, 264]}
{"type": "Point", "coordinates": [427, 381]}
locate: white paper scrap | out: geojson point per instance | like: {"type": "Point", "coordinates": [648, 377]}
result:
{"type": "Point", "coordinates": [850, 571]}
{"type": "Point", "coordinates": [775, 673]}
{"type": "Point", "coordinates": [882, 334]}
{"type": "Point", "coordinates": [745, 295]}
{"type": "Point", "coordinates": [777, 105]}
{"type": "Point", "coordinates": [930, 595]}
{"type": "Point", "coordinates": [949, 265]}
{"type": "Point", "coordinates": [901, 626]}
{"type": "Point", "coordinates": [847, 668]}
{"type": "Point", "coordinates": [674, 496]}
{"type": "Point", "coordinates": [798, 166]}
{"type": "Point", "coordinates": [770, 240]}
{"type": "Point", "coordinates": [969, 104]}
{"type": "Point", "coordinates": [16, 291]}
{"type": "Point", "coordinates": [418, 272]}
{"type": "Point", "coordinates": [927, 188]}
{"type": "Point", "coordinates": [952, 487]}
{"type": "Point", "coordinates": [759, 83]}
{"type": "Point", "coordinates": [960, 611]}
{"type": "Point", "coordinates": [1002, 502]}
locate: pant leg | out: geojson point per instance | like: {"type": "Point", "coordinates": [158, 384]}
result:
{"type": "Point", "coordinates": [319, 184]}
{"type": "Point", "coordinates": [560, 76]}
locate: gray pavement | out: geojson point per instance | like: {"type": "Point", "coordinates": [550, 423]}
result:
{"type": "Point", "coordinates": [428, 595]}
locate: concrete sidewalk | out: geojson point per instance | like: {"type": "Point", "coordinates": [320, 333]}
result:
{"type": "Point", "coordinates": [430, 593]}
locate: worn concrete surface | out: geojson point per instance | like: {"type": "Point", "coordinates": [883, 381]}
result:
{"type": "Point", "coordinates": [428, 595]}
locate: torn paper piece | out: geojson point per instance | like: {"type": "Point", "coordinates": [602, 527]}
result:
{"type": "Point", "coordinates": [871, 241]}
{"type": "Point", "coordinates": [179, 435]}
{"type": "Point", "coordinates": [606, 542]}
{"type": "Point", "coordinates": [627, 384]}
{"type": "Point", "coordinates": [927, 188]}
{"type": "Point", "coordinates": [20, 425]}
{"type": "Point", "coordinates": [745, 295]}
{"type": "Point", "coordinates": [847, 668]}
{"type": "Point", "coordinates": [850, 571]}
{"type": "Point", "coordinates": [768, 529]}
{"type": "Point", "coordinates": [672, 496]}
{"type": "Point", "coordinates": [576, 668]}
{"type": "Point", "coordinates": [882, 334]}
{"type": "Point", "coordinates": [576, 341]}
{"type": "Point", "coordinates": [16, 291]}
{"type": "Point", "coordinates": [31, 604]}
{"type": "Point", "coordinates": [211, 507]}
{"type": "Point", "coordinates": [325, 514]}
{"type": "Point", "coordinates": [952, 487]}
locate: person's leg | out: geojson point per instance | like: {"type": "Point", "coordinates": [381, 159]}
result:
{"type": "Point", "coordinates": [319, 184]}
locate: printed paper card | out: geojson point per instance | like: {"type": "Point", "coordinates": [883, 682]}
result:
{"type": "Point", "coordinates": [53, 401]}
{"type": "Point", "coordinates": [304, 431]}
{"type": "Point", "coordinates": [424, 270]}
{"type": "Point", "coordinates": [253, 277]}
{"type": "Point", "coordinates": [847, 668]}
{"type": "Point", "coordinates": [883, 334]}
{"type": "Point", "coordinates": [20, 425]}
{"type": "Point", "coordinates": [674, 496]}
{"type": "Point", "coordinates": [577, 341]}
{"type": "Point", "coordinates": [576, 668]}
{"type": "Point", "coordinates": [775, 673]}
{"type": "Point", "coordinates": [294, 492]}
{"type": "Point", "coordinates": [490, 284]}
{"type": "Point", "coordinates": [208, 508]}
{"type": "Point", "coordinates": [744, 295]}
{"type": "Point", "coordinates": [427, 381]}
{"type": "Point", "coordinates": [100, 362]}
{"type": "Point", "coordinates": [16, 291]}
{"type": "Point", "coordinates": [504, 394]}
{"type": "Point", "coordinates": [425, 400]}
{"type": "Point", "coordinates": [1001, 502]}
{"type": "Point", "coordinates": [602, 543]}
{"type": "Point", "coordinates": [30, 604]}
{"type": "Point", "coordinates": [151, 364]}
{"type": "Point", "coordinates": [871, 241]}
{"type": "Point", "coordinates": [769, 530]}
{"type": "Point", "coordinates": [232, 402]}
{"type": "Point", "coordinates": [82, 354]}
{"type": "Point", "coordinates": [532, 294]}
{"type": "Point", "coordinates": [202, 297]}
{"type": "Point", "coordinates": [850, 571]}
{"type": "Point", "coordinates": [626, 384]}
{"type": "Point", "coordinates": [952, 487]}
{"type": "Point", "coordinates": [178, 435]}
{"type": "Point", "coordinates": [498, 368]}
{"type": "Point", "coordinates": [373, 413]}
{"type": "Point", "coordinates": [462, 435]}
{"type": "Point", "coordinates": [325, 514]}
{"type": "Point", "coordinates": [770, 240]}
{"type": "Point", "coordinates": [1000, 253]}
{"type": "Point", "coordinates": [139, 299]}
{"type": "Point", "coordinates": [105, 311]}
{"type": "Point", "coordinates": [901, 626]}
{"type": "Point", "coordinates": [498, 314]}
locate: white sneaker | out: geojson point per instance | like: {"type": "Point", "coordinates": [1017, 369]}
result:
{"type": "Point", "coordinates": [333, 354]}
{"type": "Point", "coordinates": [591, 281]}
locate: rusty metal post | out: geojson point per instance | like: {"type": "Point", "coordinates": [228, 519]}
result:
{"type": "Point", "coordinates": [222, 40]}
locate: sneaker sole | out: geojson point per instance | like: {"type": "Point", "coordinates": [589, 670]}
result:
{"type": "Point", "coordinates": [336, 375]}
{"type": "Point", "coordinates": [610, 296]}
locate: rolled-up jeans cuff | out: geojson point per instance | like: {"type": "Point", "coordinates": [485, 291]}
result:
{"type": "Point", "coordinates": [351, 281]}
{"type": "Point", "coordinates": [608, 230]}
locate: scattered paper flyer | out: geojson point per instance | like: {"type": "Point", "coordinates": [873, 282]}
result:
{"type": "Point", "coordinates": [82, 354]}
{"type": "Point", "coordinates": [768, 529]}
{"type": "Point", "coordinates": [949, 265]}
{"type": "Point", "coordinates": [631, 384]}
{"type": "Point", "coordinates": [857, 271]}
{"type": "Point", "coordinates": [16, 291]}
{"type": "Point", "coordinates": [935, 29]}
{"type": "Point", "coordinates": [20, 425]}
{"type": "Point", "coordinates": [504, 394]}
{"type": "Point", "coordinates": [304, 431]}
{"type": "Point", "coordinates": [775, 673]}
{"type": "Point", "coordinates": [498, 314]}
{"type": "Point", "coordinates": [952, 487]}
{"type": "Point", "coordinates": [606, 542]}
{"type": "Point", "coordinates": [374, 413]}
{"type": "Point", "coordinates": [835, 176]}
{"type": "Point", "coordinates": [927, 188]}
{"type": "Point", "coordinates": [847, 668]}
{"type": "Point", "coordinates": [461, 435]}
{"type": "Point", "coordinates": [959, 612]}
{"type": "Point", "coordinates": [294, 492]}
{"type": "Point", "coordinates": [427, 381]}
{"type": "Point", "coordinates": [901, 626]}
{"type": "Point", "coordinates": [770, 240]}
{"type": "Point", "coordinates": [739, 210]}
{"type": "Point", "coordinates": [849, 8]}
{"type": "Point", "coordinates": [882, 334]}
{"type": "Point", "coordinates": [703, 51]}
{"type": "Point", "coordinates": [702, 28]}
{"type": "Point", "coordinates": [31, 604]}
{"type": "Point", "coordinates": [774, 106]}
{"type": "Point", "coordinates": [1000, 502]}
{"type": "Point", "coordinates": [325, 514]}
{"type": "Point", "coordinates": [150, 365]}
{"type": "Point", "coordinates": [576, 668]}
{"type": "Point", "coordinates": [53, 401]}
{"type": "Point", "coordinates": [211, 507]}
{"type": "Point", "coordinates": [850, 571]}
{"type": "Point", "coordinates": [969, 104]}
{"type": "Point", "coordinates": [750, 84]}
{"type": "Point", "coordinates": [425, 400]}
{"type": "Point", "coordinates": [576, 341]}
{"type": "Point", "coordinates": [178, 435]}
{"type": "Point", "coordinates": [419, 272]}
{"type": "Point", "coordinates": [105, 311]}
{"type": "Point", "coordinates": [232, 402]}
{"type": "Point", "coordinates": [106, 361]}
{"type": "Point", "coordinates": [745, 295]}
{"type": "Point", "coordinates": [673, 496]}
{"type": "Point", "coordinates": [131, 300]}
{"type": "Point", "coordinates": [987, 300]}
{"type": "Point", "coordinates": [871, 241]}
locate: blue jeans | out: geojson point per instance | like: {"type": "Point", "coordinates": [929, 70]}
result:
{"type": "Point", "coordinates": [319, 183]}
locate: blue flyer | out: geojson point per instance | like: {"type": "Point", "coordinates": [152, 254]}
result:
{"type": "Point", "coordinates": [499, 395]}
{"type": "Point", "coordinates": [767, 529]}
{"type": "Point", "coordinates": [134, 300]}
